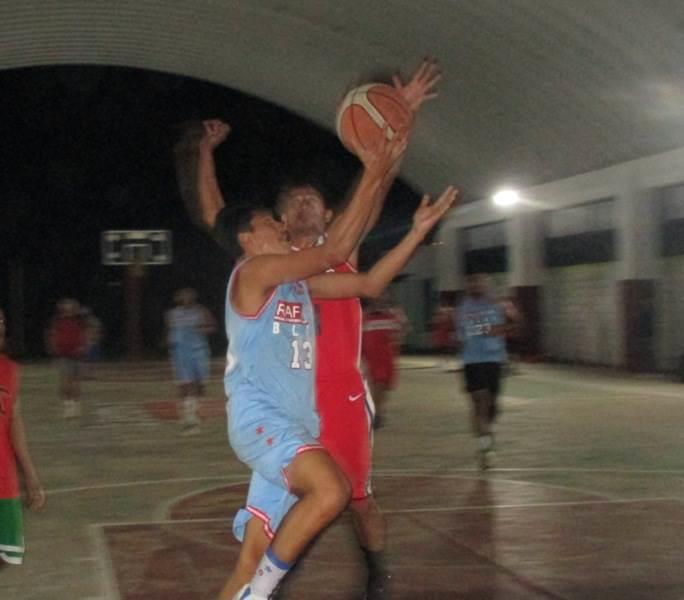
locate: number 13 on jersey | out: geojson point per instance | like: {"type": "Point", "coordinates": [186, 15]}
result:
{"type": "Point", "coordinates": [302, 354]}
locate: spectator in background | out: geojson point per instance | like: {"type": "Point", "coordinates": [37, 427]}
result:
{"type": "Point", "coordinates": [384, 329]}
{"type": "Point", "coordinates": [66, 341]}
{"type": "Point", "coordinates": [13, 450]}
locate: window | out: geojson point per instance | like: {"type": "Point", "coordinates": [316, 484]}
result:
{"type": "Point", "coordinates": [581, 234]}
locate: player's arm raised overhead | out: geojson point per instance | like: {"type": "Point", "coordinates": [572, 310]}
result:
{"type": "Point", "coordinates": [196, 170]}
{"type": "Point", "coordinates": [419, 89]}
{"type": "Point", "coordinates": [374, 282]}
{"type": "Point", "coordinates": [266, 270]}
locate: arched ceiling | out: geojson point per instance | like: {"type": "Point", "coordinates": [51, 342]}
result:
{"type": "Point", "coordinates": [534, 90]}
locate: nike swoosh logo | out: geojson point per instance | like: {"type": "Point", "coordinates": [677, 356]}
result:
{"type": "Point", "coordinates": [354, 397]}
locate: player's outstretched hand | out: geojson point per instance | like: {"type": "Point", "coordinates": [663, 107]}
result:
{"type": "Point", "coordinates": [215, 132]}
{"type": "Point", "coordinates": [421, 86]}
{"type": "Point", "coordinates": [427, 214]}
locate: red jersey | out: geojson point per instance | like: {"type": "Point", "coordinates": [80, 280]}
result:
{"type": "Point", "coordinates": [338, 333]}
{"type": "Point", "coordinates": [68, 337]}
{"type": "Point", "coordinates": [381, 332]}
{"type": "Point", "coordinates": [9, 384]}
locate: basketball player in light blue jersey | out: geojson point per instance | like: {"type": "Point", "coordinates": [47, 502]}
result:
{"type": "Point", "coordinates": [482, 326]}
{"type": "Point", "coordinates": [273, 425]}
{"type": "Point", "coordinates": [188, 325]}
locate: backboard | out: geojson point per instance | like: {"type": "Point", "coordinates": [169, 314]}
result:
{"type": "Point", "coordinates": [136, 247]}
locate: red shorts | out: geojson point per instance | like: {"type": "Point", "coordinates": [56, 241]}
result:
{"type": "Point", "coordinates": [346, 433]}
{"type": "Point", "coordinates": [380, 366]}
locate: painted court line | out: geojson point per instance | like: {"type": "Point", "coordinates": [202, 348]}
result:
{"type": "Point", "coordinates": [399, 511]}
{"type": "Point", "coordinates": [164, 510]}
{"type": "Point", "coordinates": [511, 573]}
{"type": "Point", "coordinates": [576, 490]}
{"type": "Point", "coordinates": [451, 474]}
{"type": "Point", "coordinates": [110, 586]}
{"type": "Point", "coordinates": [106, 486]}
{"type": "Point", "coordinates": [163, 522]}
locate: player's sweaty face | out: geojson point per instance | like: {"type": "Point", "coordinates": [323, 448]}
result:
{"type": "Point", "coordinates": [304, 211]}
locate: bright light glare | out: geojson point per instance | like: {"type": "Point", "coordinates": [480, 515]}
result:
{"type": "Point", "coordinates": [506, 198]}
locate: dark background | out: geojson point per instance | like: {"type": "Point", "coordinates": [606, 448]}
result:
{"type": "Point", "coordinates": [87, 149]}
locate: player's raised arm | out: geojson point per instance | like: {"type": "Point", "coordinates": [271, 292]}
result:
{"type": "Point", "coordinates": [196, 170]}
{"type": "Point", "coordinates": [419, 89]}
{"type": "Point", "coordinates": [271, 262]}
{"type": "Point", "coordinates": [374, 282]}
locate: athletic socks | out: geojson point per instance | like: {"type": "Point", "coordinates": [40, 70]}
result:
{"type": "Point", "coordinates": [268, 574]}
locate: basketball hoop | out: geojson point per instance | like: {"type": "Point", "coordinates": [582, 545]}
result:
{"type": "Point", "coordinates": [135, 249]}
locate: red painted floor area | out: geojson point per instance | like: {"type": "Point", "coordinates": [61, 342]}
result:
{"type": "Point", "coordinates": [448, 538]}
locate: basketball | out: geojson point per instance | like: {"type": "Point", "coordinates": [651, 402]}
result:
{"type": "Point", "coordinates": [364, 112]}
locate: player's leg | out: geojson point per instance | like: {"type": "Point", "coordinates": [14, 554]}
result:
{"type": "Point", "coordinates": [195, 371]}
{"type": "Point", "coordinates": [67, 387]}
{"type": "Point", "coordinates": [347, 435]}
{"type": "Point", "coordinates": [181, 359]}
{"type": "Point", "coordinates": [199, 373]}
{"type": "Point", "coordinates": [76, 386]}
{"type": "Point", "coordinates": [323, 493]}
{"type": "Point", "coordinates": [254, 545]}
{"type": "Point", "coordinates": [370, 527]}
{"type": "Point", "coordinates": [477, 385]}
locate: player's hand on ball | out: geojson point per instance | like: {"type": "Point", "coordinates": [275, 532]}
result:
{"type": "Point", "coordinates": [421, 86]}
{"type": "Point", "coordinates": [387, 153]}
{"type": "Point", "coordinates": [427, 214]}
{"type": "Point", "coordinates": [215, 133]}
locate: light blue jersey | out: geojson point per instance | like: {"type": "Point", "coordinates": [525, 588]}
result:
{"type": "Point", "coordinates": [185, 327]}
{"type": "Point", "coordinates": [269, 380]}
{"type": "Point", "coordinates": [188, 344]}
{"type": "Point", "coordinates": [475, 318]}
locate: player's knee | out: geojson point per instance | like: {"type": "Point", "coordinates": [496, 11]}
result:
{"type": "Point", "coordinates": [333, 495]}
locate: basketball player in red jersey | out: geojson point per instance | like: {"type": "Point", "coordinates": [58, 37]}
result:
{"type": "Point", "coordinates": [345, 410]}
{"type": "Point", "coordinates": [13, 450]}
{"type": "Point", "coordinates": [384, 328]}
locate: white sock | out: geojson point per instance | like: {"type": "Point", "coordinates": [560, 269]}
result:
{"type": "Point", "coordinates": [190, 410]}
{"type": "Point", "coordinates": [485, 442]}
{"type": "Point", "coordinates": [268, 574]}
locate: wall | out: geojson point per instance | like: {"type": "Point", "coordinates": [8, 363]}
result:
{"type": "Point", "coordinates": [582, 307]}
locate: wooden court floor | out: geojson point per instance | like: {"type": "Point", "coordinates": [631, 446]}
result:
{"type": "Point", "coordinates": [586, 500]}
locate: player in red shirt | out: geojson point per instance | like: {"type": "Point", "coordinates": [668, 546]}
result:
{"type": "Point", "coordinates": [67, 342]}
{"type": "Point", "coordinates": [384, 328]}
{"type": "Point", "coordinates": [345, 410]}
{"type": "Point", "coordinates": [443, 334]}
{"type": "Point", "coordinates": [13, 450]}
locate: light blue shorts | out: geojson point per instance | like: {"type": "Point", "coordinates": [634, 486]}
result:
{"type": "Point", "coordinates": [190, 364]}
{"type": "Point", "coordinates": [267, 502]}
{"type": "Point", "coordinates": [264, 438]}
